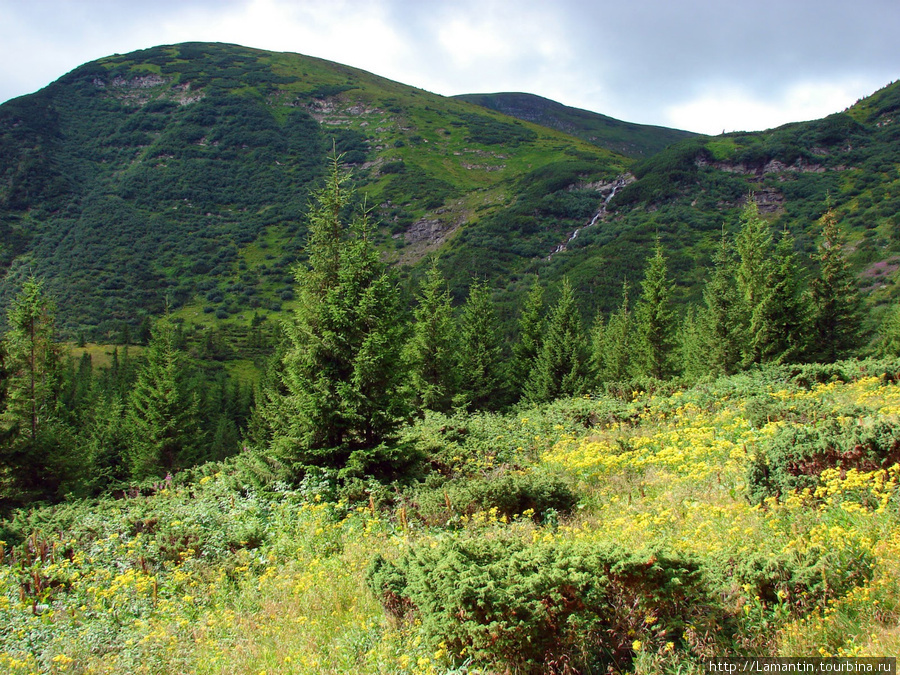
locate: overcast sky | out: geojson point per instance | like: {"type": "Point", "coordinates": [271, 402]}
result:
{"type": "Point", "coordinates": [701, 65]}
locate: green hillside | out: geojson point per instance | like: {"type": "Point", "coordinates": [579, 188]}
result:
{"type": "Point", "coordinates": [688, 192]}
{"type": "Point", "coordinates": [182, 172]}
{"type": "Point", "coordinates": [626, 138]}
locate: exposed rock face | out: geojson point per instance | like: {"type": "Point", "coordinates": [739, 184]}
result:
{"type": "Point", "coordinates": [430, 230]}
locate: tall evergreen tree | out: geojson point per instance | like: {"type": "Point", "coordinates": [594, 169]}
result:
{"type": "Point", "coordinates": [836, 306]}
{"type": "Point", "coordinates": [432, 347]}
{"type": "Point", "coordinates": [719, 321]}
{"type": "Point", "coordinates": [754, 266]}
{"type": "Point", "coordinates": [342, 372]}
{"type": "Point", "coordinates": [561, 367]}
{"type": "Point", "coordinates": [37, 458]}
{"type": "Point", "coordinates": [612, 345]}
{"type": "Point", "coordinates": [779, 322]}
{"type": "Point", "coordinates": [482, 369]}
{"type": "Point", "coordinates": [531, 337]}
{"type": "Point", "coordinates": [655, 321]}
{"type": "Point", "coordinates": [162, 414]}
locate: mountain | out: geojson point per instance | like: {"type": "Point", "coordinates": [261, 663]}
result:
{"type": "Point", "coordinates": [626, 138]}
{"type": "Point", "coordinates": [181, 174]}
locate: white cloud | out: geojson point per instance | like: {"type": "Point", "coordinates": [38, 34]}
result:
{"type": "Point", "coordinates": [730, 108]}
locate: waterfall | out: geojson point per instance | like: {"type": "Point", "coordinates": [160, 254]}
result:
{"type": "Point", "coordinates": [614, 187]}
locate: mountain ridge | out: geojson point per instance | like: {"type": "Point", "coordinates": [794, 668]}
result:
{"type": "Point", "coordinates": [627, 138]}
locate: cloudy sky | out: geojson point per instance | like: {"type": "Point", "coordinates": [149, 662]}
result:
{"type": "Point", "coordinates": [702, 65]}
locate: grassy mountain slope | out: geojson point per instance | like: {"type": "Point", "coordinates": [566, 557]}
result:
{"type": "Point", "coordinates": [632, 140]}
{"type": "Point", "coordinates": [183, 171]}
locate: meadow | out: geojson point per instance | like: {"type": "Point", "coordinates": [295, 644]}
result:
{"type": "Point", "coordinates": [640, 529]}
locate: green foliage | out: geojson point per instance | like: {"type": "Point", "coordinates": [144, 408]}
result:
{"type": "Point", "coordinates": [432, 348]}
{"type": "Point", "coordinates": [490, 131]}
{"type": "Point", "coordinates": [778, 322]}
{"type": "Point", "coordinates": [503, 494]}
{"type": "Point", "coordinates": [531, 335]}
{"type": "Point", "coordinates": [612, 344]}
{"type": "Point", "coordinates": [36, 459]}
{"type": "Point", "coordinates": [560, 369]}
{"type": "Point", "coordinates": [162, 414]}
{"type": "Point", "coordinates": [655, 321]}
{"type": "Point", "coordinates": [719, 320]}
{"type": "Point", "coordinates": [341, 375]}
{"type": "Point", "coordinates": [505, 603]}
{"type": "Point", "coordinates": [482, 361]}
{"type": "Point", "coordinates": [836, 306]}
{"type": "Point", "coordinates": [795, 456]}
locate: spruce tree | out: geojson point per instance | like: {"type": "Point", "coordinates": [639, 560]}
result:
{"type": "Point", "coordinates": [432, 348]}
{"type": "Point", "coordinates": [692, 348]}
{"type": "Point", "coordinates": [612, 344]}
{"type": "Point", "coordinates": [655, 321]}
{"type": "Point", "coordinates": [342, 373]}
{"type": "Point", "coordinates": [719, 322]}
{"type": "Point", "coordinates": [779, 322]}
{"type": "Point", "coordinates": [836, 307]}
{"type": "Point", "coordinates": [531, 337]}
{"type": "Point", "coordinates": [482, 368]}
{"type": "Point", "coordinates": [162, 414]}
{"type": "Point", "coordinates": [561, 367]}
{"type": "Point", "coordinates": [37, 457]}
{"type": "Point", "coordinates": [754, 266]}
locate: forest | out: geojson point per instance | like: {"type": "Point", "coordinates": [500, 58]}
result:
{"type": "Point", "coordinates": [408, 489]}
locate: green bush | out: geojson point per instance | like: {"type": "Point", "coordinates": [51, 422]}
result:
{"type": "Point", "coordinates": [795, 457]}
{"type": "Point", "coordinates": [529, 608]}
{"type": "Point", "coordinates": [511, 494]}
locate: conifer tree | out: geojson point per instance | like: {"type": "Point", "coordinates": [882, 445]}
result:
{"type": "Point", "coordinates": [531, 337]}
{"type": "Point", "coordinates": [836, 307]}
{"type": "Point", "coordinates": [754, 266]}
{"type": "Point", "coordinates": [719, 321]}
{"type": "Point", "coordinates": [612, 344]}
{"type": "Point", "coordinates": [342, 373]}
{"type": "Point", "coordinates": [780, 318]}
{"type": "Point", "coordinates": [37, 458]}
{"type": "Point", "coordinates": [482, 371]}
{"type": "Point", "coordinates": [655, 321]}
{"type": "Point", "coordinates": [561, 367]}
{"type": "Point", "coordinates": [692, 348]}
{"type": "Point", "coordinates": [432, 348]}
{"type": "Point", "coordinates": [162, 414]}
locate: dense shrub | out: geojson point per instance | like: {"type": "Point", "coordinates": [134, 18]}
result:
{"type": "Point", "coordinates": [795, 456]}
{"type": "Point", "coordinates": [511, 494]}
{"type": "Point", "coordinates": [544, 607]}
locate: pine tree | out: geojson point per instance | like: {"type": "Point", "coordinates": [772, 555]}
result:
{"type": "Point", "coordinates": [692, 348]}
{"type": "Point", "coordinates": [482, 372]}
{"type": "Point", "coordinates": [561, 367]}
{"type": "Point", "coordinates": [719, 321]}
{"type": "Point", "coordinates": [836, 307]}
{"type": "Point", "coordinates": [612, 344]}
{"type": "Point", "coordinates": [655, 321]}
{"type": "Point", "coordinates": [342, 372]}
{"type": "Point", "coordinates": [531, 337]}
{"type": "Point", "coordinates": [432, 348]}
{"type": "Point", "coordinates": [780, 318]}
{"type": "Point", "coordinates": [37, 457]}
{"type": "Point", "coordinates": [162, 414]}
{"type": "Point", "coordinates": [754, 252]}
